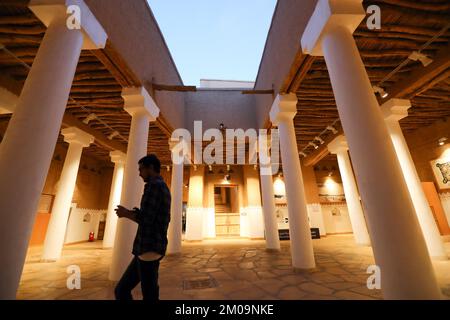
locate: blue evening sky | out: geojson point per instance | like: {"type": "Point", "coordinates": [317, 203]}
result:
{"type": "Point", "coordinates": [215, 39]}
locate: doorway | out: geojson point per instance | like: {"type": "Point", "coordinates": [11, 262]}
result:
{"type": "Point", "coordinates": [226, 208]}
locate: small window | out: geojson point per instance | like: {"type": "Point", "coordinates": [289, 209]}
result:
{"type": "Point", "coordinates": [87, 217]}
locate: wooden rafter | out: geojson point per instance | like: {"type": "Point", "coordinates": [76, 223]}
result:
{"type": "Point", "coordinates": [97, 86]}
{"type": "Point", "coordinates": [423, 78]}
{"type": "Point", "coordinates": [407, 25]}
{"type": "Point", "coordinates": [268, 91]}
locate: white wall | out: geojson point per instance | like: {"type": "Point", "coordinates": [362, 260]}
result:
{"type": "Point", "coordinates": [339, 223]}
{"type": "Point", "coordinates": [316, 219]}
{"type": "Point", "coordinates": [226, 84]}
{"type": "Point", "coordinates": [445, 199]}
{"type": "Point", "coordinates": [77, 229]}
{"type": "Point", "coordinates": [331, 191]}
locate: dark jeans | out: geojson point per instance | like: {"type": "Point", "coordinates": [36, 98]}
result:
{"type": "Point", "coordinates": [145, 272]}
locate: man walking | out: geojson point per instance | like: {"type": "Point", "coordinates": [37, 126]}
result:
{"type": "Point", "coordinates": [150, 244]}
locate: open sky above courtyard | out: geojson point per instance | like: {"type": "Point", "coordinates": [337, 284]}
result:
{"type": "Point", "coordinates": [215, 39]}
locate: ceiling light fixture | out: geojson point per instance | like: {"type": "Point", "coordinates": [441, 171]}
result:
{"type": "Point", "coordinates": [114, 134]}
{"type": "Point", "coordinates": [380, 91]}
{"type": "Point", "coordinates": [442, 141]}
{"type": "Point", "coordinates": [416, 55]}
{"type": "Point", "coordinates": [332, 129]}
{"type": "Point", "coordinates": [89, 118]}
{"type": "Point", "coordinates": [313, 145]}
{"type": "Point", "coordinates": [319, 139]}
{"type": "Point", "coordinates": [302, 154]}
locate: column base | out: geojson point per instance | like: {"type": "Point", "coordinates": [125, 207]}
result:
{"type": "Point", "coordinates": [363, 244]}
{"type": "Point", "coordinates": [174, 254]}
{"type": "Point", "coordinates": [440, 258]}
{"type": "Point", "coordinates": [271, 250]}
{"type": "Point", "coordinates": [306, 270]}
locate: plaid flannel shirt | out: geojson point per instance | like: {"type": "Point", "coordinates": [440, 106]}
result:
{"type": "Point", "coordinates": [153, 218]}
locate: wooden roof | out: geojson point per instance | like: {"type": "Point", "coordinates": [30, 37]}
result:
{"type": "Point", "coordinates": [406, 25]}
{"type": "Point", "coordinates": [96, 88]}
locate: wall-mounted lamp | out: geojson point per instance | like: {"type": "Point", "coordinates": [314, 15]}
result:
{"type": "Point", "coordinates": [279, 188]}
{"type": "Point", "coordinates": [416, 55]}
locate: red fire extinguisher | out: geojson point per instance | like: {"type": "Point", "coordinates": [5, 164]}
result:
{"type": "Point", "coordinates": [91, 237]}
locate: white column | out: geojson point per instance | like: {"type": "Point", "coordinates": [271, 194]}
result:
{"type": "Point", "coordinates": [56, 230]}
{"type": "Point", "coordinates": [339, 147]}
{"type": "Point", "coordinates": [268, 207]}
{"type": "Point", "coordinates": [175, 230]}
{"type": "Point", "coordinates": [282, 115]}
{"type": "Point", "coordinates": [8, 101]}
{"type": "Point", "coordinates": [394, 110]}
{"type": "Point", "coordinates": [30, 140]}
{"type": "Point", "coordinates": [118, 158]}
{"type": "Point", "coordinates": [398, 244]}
{"type": "Point", "coordinates": [254, 209]}
{"type": "Point", "coordinates": [195, 209]}
{"type": "Point", "coordinates": [142, 109]}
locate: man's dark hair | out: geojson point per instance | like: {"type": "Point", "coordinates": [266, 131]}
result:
{"type": "Point", "coordinates": [151, 160]}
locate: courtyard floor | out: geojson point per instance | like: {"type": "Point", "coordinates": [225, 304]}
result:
{"type": "Point", "coordinates": [220, 269]}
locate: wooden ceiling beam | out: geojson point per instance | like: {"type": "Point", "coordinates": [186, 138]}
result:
{"type": "Point", "coordinates": [299, 69]}
{"type": "Point", "coordinates": [268, 91]}
{"type": "Point", "coordinates": [408, 87]}
{"type": "Point", "coordinates": [71, 121]}
{"type": "Point", "coordinates": [116, 65]}
{"type": "Point", "coordinates": [417, 82]}
{"type": "Point", "coordinates": [174, 88]}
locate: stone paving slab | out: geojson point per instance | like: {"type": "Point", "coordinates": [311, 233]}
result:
{"type": "Point", "coordinates": [241, 269]}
